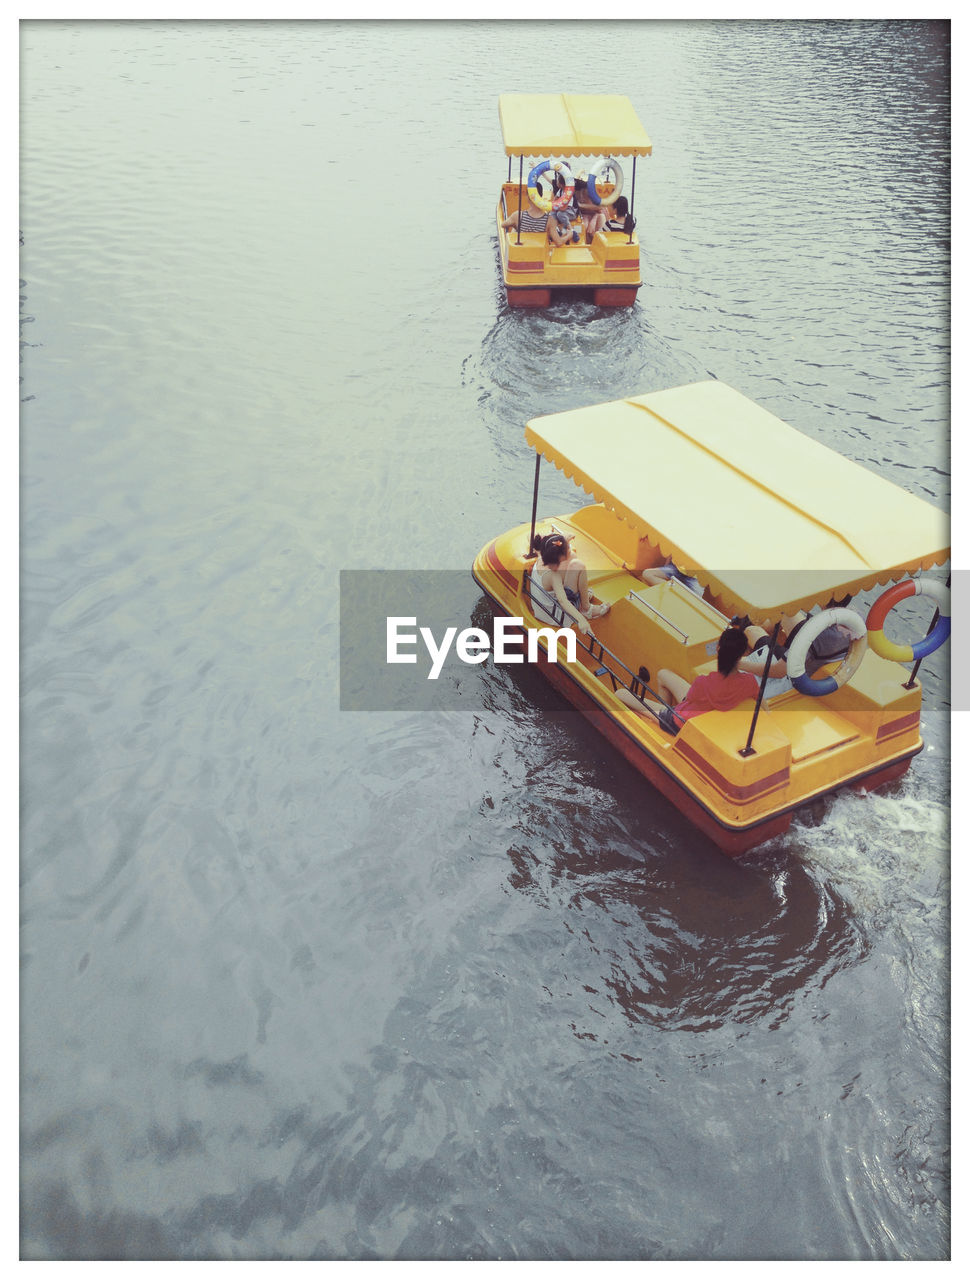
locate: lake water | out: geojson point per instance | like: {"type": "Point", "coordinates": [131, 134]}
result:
{"type": "Point", "coordinates": [303, 983]}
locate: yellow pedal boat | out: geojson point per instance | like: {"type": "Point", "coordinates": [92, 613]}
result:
{"type": "Point", "coordinates": [558, 133]}
{"type": "Point", "coordinates": [769, 522]}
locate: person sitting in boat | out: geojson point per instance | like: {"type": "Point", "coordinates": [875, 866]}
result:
{"type": "Point", "coordinates": [594, 216]}
{"type": "Point", "coordinates": [758, 641]}
{"type": "Point", "coordinates": [563, 231]}
{"type": "Point", "coordinates": [563, 575]}
{"type": "Point", "coordinates": [569, 213]}
{"type": "Point", "coordinates": [668, 571]}
{"type": "Point", "coordinates": [831, 645]}
{"type": "Point", "coordinates": [623, 220]}
{"type": "Point", "coordinates": [536, 220]}
{"type": "Point", "coordinates": [719, 690]}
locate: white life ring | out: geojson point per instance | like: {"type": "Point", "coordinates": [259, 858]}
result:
{"type": "Point", "coordinates": [808, 633]}
{"type": "Point", "coordinates": [601, 170]}
{"type": "Point", "coordinates": [548, 203]}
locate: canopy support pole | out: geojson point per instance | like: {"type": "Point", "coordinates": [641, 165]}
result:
{"type": "Point", "coordinates": [747, 749]}
{"type": "Point", "coordinates": [633, 192]}
{"type": "Point", "coordinates": [518, 238]}
{"type": "Point", "coordinates": [936, 617]}
{"type": "Point", "coordinates": [535, 504]}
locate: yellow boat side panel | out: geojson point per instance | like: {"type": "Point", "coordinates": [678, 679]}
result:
{"type": "Point", "coordinates": [766, 517]}
{"type": "Point", "coordinates": [571, 124]}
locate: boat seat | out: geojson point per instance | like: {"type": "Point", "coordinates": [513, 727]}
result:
{"type": "Point", "coordinates": [811, 729]}
{"type": "Point", "coordinates": [573, 255]}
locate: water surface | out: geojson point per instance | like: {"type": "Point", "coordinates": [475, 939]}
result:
{"type": "Point", "coordinates": [304, 984]}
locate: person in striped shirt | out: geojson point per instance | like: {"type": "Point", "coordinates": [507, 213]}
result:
{"type": "Point", "coordinates": [533, 219]}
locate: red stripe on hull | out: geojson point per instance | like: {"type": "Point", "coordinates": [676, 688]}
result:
{"type": "Point", "coordinates": [499, 569]}
{"type": "Point", "coordinates": [895, 727]}
{"type": "Point", "coordinates": [731, 790]}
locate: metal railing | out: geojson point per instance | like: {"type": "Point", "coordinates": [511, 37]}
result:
{"type": "Point", "coordinates": [685, 638]}
{"type": "Point", "coordinates": [598, 651]}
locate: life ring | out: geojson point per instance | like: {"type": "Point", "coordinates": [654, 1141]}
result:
{"type": "Point", "coordinates": [879, 641]}
{"type": "Point", "coordinates": [548, 203]}
{"type": "Point", "coordinates": [808, 633]}
{"type": "Point", "coordinates": [601, 170]}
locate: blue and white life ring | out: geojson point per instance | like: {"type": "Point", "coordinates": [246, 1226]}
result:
{"type": "Point", "coordinates": [609, 165]}
{"type": "Point", "coordinates": [808, 633]}
{"type": "Point", "coordinates": [548, 203]}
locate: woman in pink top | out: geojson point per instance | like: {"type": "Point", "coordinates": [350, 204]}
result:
{"type": "Point", "coordinates": [720, 690]}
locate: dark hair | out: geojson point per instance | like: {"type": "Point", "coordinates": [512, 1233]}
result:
{"type": "Point", "coordinates": [551, 547]}
{"type": "Point", "coordinates": [730, 650]}
{"type": "Point", "coordinates": [622, 207]}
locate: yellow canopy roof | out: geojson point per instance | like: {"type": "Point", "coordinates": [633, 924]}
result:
{"type": "Point", "coordinates": [770, 520]}
{"type": "Point", "coordinates": [571, 124]}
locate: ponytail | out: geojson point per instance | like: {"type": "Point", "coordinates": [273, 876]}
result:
{"type": "Point", "coordinates": [730, 649]}
{"type": "Point", "coordinates": [551, 547]}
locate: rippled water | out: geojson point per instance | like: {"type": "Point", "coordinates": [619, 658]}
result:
{"type": "Point", "coordinates": [303, 984]}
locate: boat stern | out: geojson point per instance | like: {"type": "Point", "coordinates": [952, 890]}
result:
{"type": "Point", "coordinates": [533, 270]}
